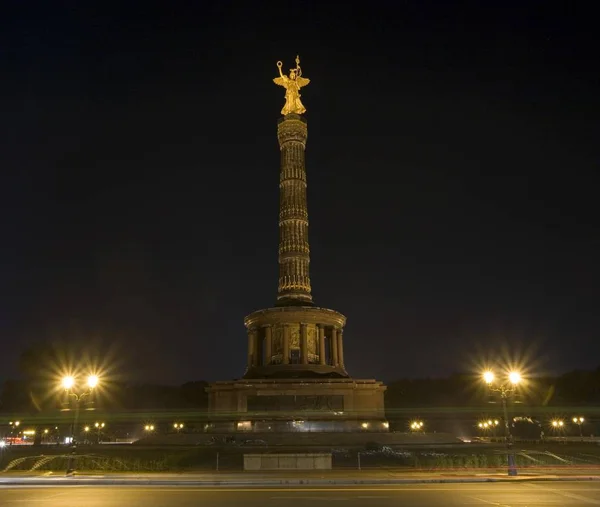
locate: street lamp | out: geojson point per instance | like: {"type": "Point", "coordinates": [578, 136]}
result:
{"type": "Point", "coordinates": [505, 389]}
{"type": "Point", "coordinates": [416, 426]}
{"type": "Point", "coordinates": [149, 427]}
{"type": "Point", "coordinates": [178, 426]}
{"type": "Point", "coordinates": [579, 421]}
{"type": "Point", "coordinates": [78, 392]}
{"type": "Point", "coordinates": [99, 426]}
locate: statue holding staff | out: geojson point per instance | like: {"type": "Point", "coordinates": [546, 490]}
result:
{"type": "Point", "coordinates": [292, 85]}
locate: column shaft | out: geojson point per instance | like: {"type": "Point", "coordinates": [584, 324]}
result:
{"type": "Point", "coordinates": [286, 345]}
{"type": "Point", "coordinates": [304, 343]}
{"type": "Point", "coordinates": [294, 251]}
{"type": "Point", "coordinates": [340, 348]}
{"type": "Point", "coordinates": [268, 345]}
{"type": "Point", "coordinates": [322, 345]}
{"type": "Point", "coordinates": [251, 347]}
{"type": "Point", "coordinates": [334, 347]}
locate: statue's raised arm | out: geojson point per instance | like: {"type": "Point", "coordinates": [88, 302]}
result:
{"type": "Point", "coordinates": [292, 85]}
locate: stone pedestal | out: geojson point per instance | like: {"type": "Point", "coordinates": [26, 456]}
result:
{"type": "Point", "coordinates": [262, 405]}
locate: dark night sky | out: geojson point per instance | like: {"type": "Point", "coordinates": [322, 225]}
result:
{"type": "Point", "coordinates": [451, 160]}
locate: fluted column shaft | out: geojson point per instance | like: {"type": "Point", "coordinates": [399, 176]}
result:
{"type": "Point", "coordinates": [322, 357]}
{"type": "Point", "coordinates": [340, 348]}
{"type": "Point", "coordinates": [268, 344]}
{"type": "Point", "coordinates": [294, 279]}
{"type": "Point", "coordinates": [252, 347]}
{"type": "Point", "coordinates": [286, 345]}
{"type": "Point", "coordinates": [303, 343]}
{"type": "Point", "coordinates": [334, 347]}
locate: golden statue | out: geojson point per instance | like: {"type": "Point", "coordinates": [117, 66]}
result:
{"type": "Point", "coordinates": [292, 85]}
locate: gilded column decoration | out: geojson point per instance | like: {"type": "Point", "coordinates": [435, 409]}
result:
{"type": "Point", "coordinates": [334, 347]}
{"type": "Point", "coordinates": [322, 356]}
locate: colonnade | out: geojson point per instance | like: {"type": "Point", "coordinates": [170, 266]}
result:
{"type": "Point", "coordinates": [330, 346]}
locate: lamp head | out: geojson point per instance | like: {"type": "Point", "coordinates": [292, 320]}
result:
{"type": "Point", "coordinates": [514, 377]}
{"type": "Point", "coordinates": [68, 382]}
{"type": "Point", "coordinates": [488, 377]}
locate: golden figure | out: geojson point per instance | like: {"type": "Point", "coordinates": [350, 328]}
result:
{"type": "Point", "coordinates": [292, 85]}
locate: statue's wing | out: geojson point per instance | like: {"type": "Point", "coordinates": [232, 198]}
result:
{"type": "Point", "coordinates": [279, 81]}
{"type": "Point", "coordinates": [302, 81]}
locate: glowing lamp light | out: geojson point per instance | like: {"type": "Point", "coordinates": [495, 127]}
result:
{"type": "Point", "coordinates": [68, 382]}
{"type": "Point", "coordinates": [92, 381]}
{"type": "Point", "coordinates": [2, 443]}
{"type": "Point", "coordinates": [488, 377]}
{"type": "Point", "coordinates": [514, 377]}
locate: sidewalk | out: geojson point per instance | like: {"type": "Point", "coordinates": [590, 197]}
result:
{"type": "Point", "coordinates": [253, 479]}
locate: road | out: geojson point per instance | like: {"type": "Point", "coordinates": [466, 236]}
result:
{"type": "Point", "coordinates": [416, 495]}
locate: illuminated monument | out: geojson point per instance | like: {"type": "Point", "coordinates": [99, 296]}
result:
{"type": "Point", "coordinates": [295, 376]}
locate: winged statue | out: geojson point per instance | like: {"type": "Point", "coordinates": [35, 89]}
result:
{"type": "Point", "coordinates": [292, 85]}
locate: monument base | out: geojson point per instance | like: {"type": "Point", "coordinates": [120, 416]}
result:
{"type": "Point", "coordinates": [297, 405]}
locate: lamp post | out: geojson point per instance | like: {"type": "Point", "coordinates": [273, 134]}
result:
{"type": "Point", "coordinates": [505, 389]}
{"type": "Point", "coordinates": [78, 393]}
{"type": "Point", "coordinates": [178, 427]}
{"type": "Point", "coordinates": [99, 427]}
{"type": "Point", "coordinates": [579, 421]}
{"type": "Point", "coordinates": [13, 426]}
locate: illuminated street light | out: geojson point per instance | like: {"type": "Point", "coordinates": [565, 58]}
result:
{"type": "Point", "coordinates": [86, 429]}
{"type": "Point", "coordinates": [416, 425]}
{"type": "Point", "coordinates": [558, 423]}
{"type": "Point", "coordinates": [69, 384]}
{"type": "Point", "coordinates": [178, 426]}
{"type": "Point", "coordinates": [514, 377]}
{"type": "Point", "coordinates": [149, 427]}
{"type": "Point", "coordinates": [579, 421]}
{"type": "Point", "coordinates": [505, 389]}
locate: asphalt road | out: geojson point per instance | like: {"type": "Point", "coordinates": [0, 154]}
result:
{"type": "Point", "coordinates": [416, 495]}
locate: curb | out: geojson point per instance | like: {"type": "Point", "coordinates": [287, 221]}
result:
{"type": "Point", "coordinates": [66, 481]}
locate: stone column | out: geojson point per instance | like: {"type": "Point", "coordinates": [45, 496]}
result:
{"type": "Point", "coordinates": [303, 343]}
{"type": "Point", "coordinates": [286, 345]}
{"type": "Point", "coordinates": [251, 347]}
{"type": "Point", "coordinates": [322, 345]}
{"type": "Point", "coordinates": [334, 347]}
{"type": "Point", "coordinates": [294, 252]}
{"type": "Point", "coordinates": [268, 345]}
{"type": "Point", "coordinates": [340, 348]}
